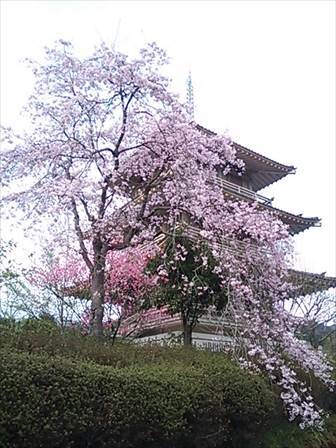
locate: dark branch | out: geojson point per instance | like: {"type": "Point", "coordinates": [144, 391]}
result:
{"type": "Point", "coordinates": [80, 236]}
{"type": "Point", "coordinates": [86, 208]}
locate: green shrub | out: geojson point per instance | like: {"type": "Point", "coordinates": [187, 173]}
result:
{"type": "Point", "coordinates": [55, 402]}
{"type": "Point", "coordinates": [287, 435]}
{"type": "Point", "coordinates": [59, 388]}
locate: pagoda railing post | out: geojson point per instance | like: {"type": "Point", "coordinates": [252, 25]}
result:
{"type": "Point", "coordinates": [242, 191]}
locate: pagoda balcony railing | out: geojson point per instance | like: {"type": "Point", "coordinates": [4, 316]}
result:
{"type": "Point", "coordinates": [236, 247]}
{"type": "Point", "coordinates": [242, 191]}
{"type": "Point", "coordinates": [161, 318]}
{"type": "Point", "coordinates": [229, 187]}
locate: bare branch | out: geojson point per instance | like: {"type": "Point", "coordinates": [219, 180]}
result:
{"type": "Point", "coordinates": [80, 236]}
{"type": "Point", "coordinates": [87, 211]}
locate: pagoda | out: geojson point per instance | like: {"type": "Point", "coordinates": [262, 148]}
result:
{"type": "Point", "coordinates": [259, 172]}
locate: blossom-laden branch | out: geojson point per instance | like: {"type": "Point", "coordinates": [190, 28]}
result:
{"type": "Point", "coordinates": [110, 144]}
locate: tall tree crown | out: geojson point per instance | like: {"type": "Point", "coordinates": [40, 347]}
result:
{"type": "Point", "coordinates": [110, 145]}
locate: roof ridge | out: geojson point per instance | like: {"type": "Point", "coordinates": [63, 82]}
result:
{"type": "Point", "coordinates": [288, 168]}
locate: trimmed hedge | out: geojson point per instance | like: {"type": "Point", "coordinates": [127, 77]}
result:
{"type": "Point", "coordinates": [55, 402]}
{"type": "Point", "coordinates": [40, 336]}
{"type": "Point", "coordinates": [59, 388]}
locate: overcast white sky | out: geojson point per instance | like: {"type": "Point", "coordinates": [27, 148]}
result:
{"type": "Point", "coordinates": [263, 70]}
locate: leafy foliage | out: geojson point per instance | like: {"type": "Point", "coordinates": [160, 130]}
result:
{"type": "Point", "coordinates": [188, 277]}
{"type": "Point", "coordinates": [284, 435]}
{"type": "Point", "coordinates": [188, 281]}
{"type": "Point", "coordinates": [14, 289]}
{"type": "Point", "coordinates": [60, 388]}
{"type": "Point", "coordinates": [149, 401]}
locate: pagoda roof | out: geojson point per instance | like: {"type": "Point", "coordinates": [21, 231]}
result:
{"type": "Point", "coordinates": [156, 321]}
{"type": "Point", "coordinates": [296, 223]}
{"type": "Point", "coordinates": [309, 283]}
{"type": "Point", "coordinates": [263, 171]}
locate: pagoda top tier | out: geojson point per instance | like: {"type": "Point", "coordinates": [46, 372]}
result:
{"type": "Point", "coordinates": [261, 170]}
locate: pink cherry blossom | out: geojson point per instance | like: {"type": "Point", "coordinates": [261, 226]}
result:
{"type": "Point", "coordinates": [111, 146]}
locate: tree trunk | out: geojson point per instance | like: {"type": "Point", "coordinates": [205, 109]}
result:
{"type": "Point", "coordinates": [97, 289]}
{"type": "Point", "coordinates": [62, 312]}
{"type": "Point", "coordinates": [187, 331]}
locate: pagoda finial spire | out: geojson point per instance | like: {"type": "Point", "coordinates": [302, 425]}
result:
{"type": "Point", "coordinates": [190, 97]}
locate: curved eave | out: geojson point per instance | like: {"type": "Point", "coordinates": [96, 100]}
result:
{"type": "Point", "coordinates": [262, 170]}
{"type": "Point", "coordinates": [285, 169]}
{"type": "Point", "coordinates": [296, 223]}
{"type": "Point", "coordinates": [309, 283]}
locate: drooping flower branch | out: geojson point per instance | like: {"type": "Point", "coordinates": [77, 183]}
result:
{"type": "Point", "coordinates": [110, 145]}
